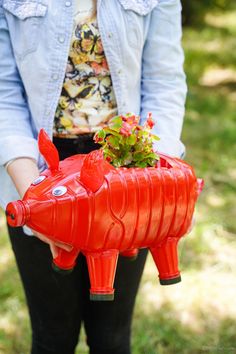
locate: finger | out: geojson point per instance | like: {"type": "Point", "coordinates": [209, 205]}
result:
{"type": "Point", "coordinates": [191, 225]}
{"type": "Point", "coordinates": [42, 237]}
{"type": "Point", "coordinates": [62, 245]}
{"type": "Point", "coordinates": [54, 249]}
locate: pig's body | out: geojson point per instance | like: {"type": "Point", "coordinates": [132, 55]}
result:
{"type": "Point", "coordinates": [104, 211]}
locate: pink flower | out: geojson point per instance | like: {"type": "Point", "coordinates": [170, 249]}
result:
{"type": "Point", "coordinates": [97, 139]}
{"type": "Point", "coordinates": [125, 132]}
{"type": "Point", "coordinates": [132, 120]}
{"type": "Point", "coordinates": [126, 129]}
{"type": "Point", "coordinates": [150, 122]}
{"type": "Point", "coordinates": [108, 158]}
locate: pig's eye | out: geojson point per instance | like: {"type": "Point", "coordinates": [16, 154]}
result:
{"type": "Point", "coordinates": [58, 191]}
{"type": "Point", "coordinates": [38, 180]}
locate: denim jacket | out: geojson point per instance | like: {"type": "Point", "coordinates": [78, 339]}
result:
{"type": "Point", "coordinates": [142, 44]}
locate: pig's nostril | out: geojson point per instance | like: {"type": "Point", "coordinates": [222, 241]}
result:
{"type": "Point", "coordinates": [10, 215]}
{"type": "Point", "coordinates": [16, 213]}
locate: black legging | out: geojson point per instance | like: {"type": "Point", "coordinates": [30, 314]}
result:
{"type": "Point", "coordinates": [59, 304]}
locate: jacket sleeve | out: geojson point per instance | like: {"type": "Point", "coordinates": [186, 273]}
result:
{"type": "Point", "coordinates": [16, 136]}
{"type": "Point", "coordinates": [163, 83]}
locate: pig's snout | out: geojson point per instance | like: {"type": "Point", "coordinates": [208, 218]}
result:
{"type": "Point", "coordinates": [17, 213]}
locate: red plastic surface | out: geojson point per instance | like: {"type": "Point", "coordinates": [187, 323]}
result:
{"type": "Point", "coordinates": [103, 211]}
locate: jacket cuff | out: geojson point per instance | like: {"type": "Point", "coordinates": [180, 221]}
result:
{"type": "Point", "coordinates": [15, 146]}
{"type": "Point", "coordinates": [27, 231]}
{"type": "Point", "coordinates": [170, 146]}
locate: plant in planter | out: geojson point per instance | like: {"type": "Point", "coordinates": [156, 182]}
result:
{"type": "Point", "coordinates": [125, 143]}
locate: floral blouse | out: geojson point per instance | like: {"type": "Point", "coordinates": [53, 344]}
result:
{"type": "Point", "coordinates": [87, 100]}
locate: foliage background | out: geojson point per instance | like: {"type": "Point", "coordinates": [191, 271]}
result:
{"type": "Point", "coordinates": [199, 314]}
{"type": "Point", "coordinates": [194, 11]}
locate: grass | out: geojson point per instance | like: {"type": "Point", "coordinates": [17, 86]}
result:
{"type": "Point", "coordinates": [199, 314]}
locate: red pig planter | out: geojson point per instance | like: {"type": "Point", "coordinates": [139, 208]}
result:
{"type": "Point", "coordinates": [102, 211]}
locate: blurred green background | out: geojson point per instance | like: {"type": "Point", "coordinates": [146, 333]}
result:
{"type": "Point", "coordinates": [199, 314]}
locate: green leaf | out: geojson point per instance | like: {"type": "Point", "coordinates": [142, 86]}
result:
{"type": "Point", "coordinates": [131, 140]}
{"type": "Point", "coordinates": [141, 164]}
{"type": "Point", "coordinates": [117, 163]}
{"type": "Point", "coordinates": [151, 155]}
{"type": "Point", "coordinates": [143, 133]}
{"type": "Point", "coordinates": [137, 156]}
{"type": "Point", "coordinates": [115, 123]}
{"type": "Point", "coordinates": [113, 141]}
{"type": "Point", "coordinates": [155, 137]}
{"type": "Point", "coordinates": [101, 134]}
{"type": "Point", "coordinates": [111, 131]}
{"type": "Point", "coordinates": [127, 159]}
{"type": "Point", "coordinates": [108, 152]}
{"type": "Point", "coordinates": [116, 127]}
{"type": "Point", "coordinates": [116, 120]}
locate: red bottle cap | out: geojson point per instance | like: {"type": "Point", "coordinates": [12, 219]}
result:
{"type": "Point", "coordinates": [16, 213]}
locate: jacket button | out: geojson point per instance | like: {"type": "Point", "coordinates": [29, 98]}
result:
{"type": "Point", "coordinates": [68, 3]}
{"type": "Point", "coordinates": [61, 39]}
{"type": "Point", "coordinates": [54, 76]}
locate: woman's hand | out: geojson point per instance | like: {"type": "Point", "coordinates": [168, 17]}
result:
{"type": "Point", "coordinates": [54, 246]}
{"type": "Point", "coordinates": [23, 171]}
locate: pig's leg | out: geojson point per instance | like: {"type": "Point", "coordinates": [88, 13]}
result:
{"type": "Point", "coordinates": [166, 259]}
{"type": "Point", "coordinates": [132, 254]}
{"type": "Point", "coordinates": [65, 261]}
{"type": "Point", "coordinates": [102, 269]}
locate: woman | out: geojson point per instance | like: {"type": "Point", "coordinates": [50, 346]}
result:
{"type": "Point", "coordinates": [68, 67]}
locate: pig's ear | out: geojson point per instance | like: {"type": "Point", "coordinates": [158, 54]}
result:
{"type": "Point", "coordinates": [48, 150]}
{"type": "Point", "coordinates": [92, 171]}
